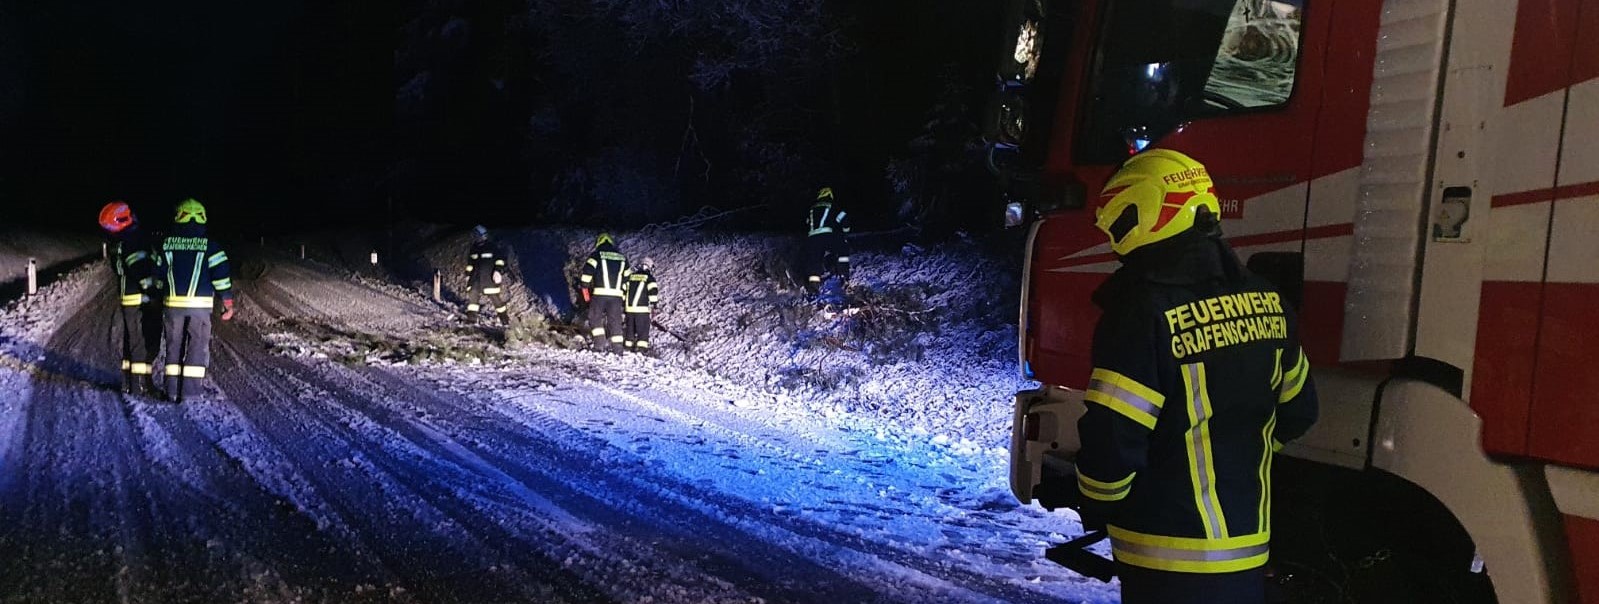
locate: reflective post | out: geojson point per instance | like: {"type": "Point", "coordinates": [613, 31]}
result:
{"type": "Point", "coordinates": [374, 257]}
{"type": "Point", "coordinates": [33, 277]}
{"type": "Point", "coordinates": [438, 282]}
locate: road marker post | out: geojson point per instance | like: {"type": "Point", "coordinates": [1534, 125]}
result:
{"type": "Point", "coordinates": [33, 277]}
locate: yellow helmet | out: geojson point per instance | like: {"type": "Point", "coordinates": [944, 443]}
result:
{"type": "Point", "coordinates": [1155, 196]}
{"type": "Point", "coordinates": [190, 211]}
{"type": "Point", "coordinates": [825, 193]}
{"type": "Point", "coordinates": [603, 239]}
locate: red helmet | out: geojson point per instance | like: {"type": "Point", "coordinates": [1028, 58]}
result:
{"type": "Point", "coordinates": [115, 217]}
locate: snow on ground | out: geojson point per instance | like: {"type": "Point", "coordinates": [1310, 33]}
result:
{"type": "Point", "coordinates": [911, 510]}
{"type": "Point", "coordinates": [370, 446]}
{"type": "Point", "coordinates": [929, 345]}
{"type": "Point", "coordinates": [53, 251]}
{"type": "Point", "coordinates": [25, 358]}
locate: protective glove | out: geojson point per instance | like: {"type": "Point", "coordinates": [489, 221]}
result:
{"type": "Point", "coordinates": [227, 310]}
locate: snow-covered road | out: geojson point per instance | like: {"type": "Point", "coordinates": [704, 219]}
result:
{"type": "Point", "coordinates": [535, 475]}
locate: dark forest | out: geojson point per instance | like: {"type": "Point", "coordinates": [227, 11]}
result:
{"type": "Point", "coordinates": [599, 112]}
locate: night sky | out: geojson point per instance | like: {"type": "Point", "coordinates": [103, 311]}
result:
{"type": "Point", "coordinates": [282, 115]}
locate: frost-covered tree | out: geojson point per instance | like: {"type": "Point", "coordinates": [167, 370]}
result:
{"type": "Point", "coordinates": [625, 110]}
{"type": "Point", "coordinates": [710, 102]}
{"type": "Point", "coordinates": [936, 179]}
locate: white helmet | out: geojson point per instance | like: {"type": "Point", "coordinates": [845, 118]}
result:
{"type": "Point", "coordinates": [647, 264]}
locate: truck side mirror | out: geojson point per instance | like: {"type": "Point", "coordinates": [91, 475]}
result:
{"type": "Point", "coordinates": [1005, 120]}
{"type": "Point", "coordinates": [1070, 195]}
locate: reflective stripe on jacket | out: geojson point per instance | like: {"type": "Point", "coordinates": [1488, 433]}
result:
{"type": "Point", "coordinates": [197, 271]}
{"type": "Point", "coordinates": [1194, 387]}
{"type": "Point", "coordinates": [825, 218]}
{"type": "Point", "coordinates": [136, 267]}
{"type": "Point", "coordinates": [481, 263]}
{"type": "Point", "coordinates": [605, 271]}
{"type": "Point", "coordinates": [642, 292]}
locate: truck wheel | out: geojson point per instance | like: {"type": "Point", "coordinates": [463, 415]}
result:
{"type": "Point", "coordinates": [1367, 537]}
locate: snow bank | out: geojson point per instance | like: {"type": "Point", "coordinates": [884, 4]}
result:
{"type": "Point", "coordinates": [927, 344]}
{"type": "Point", "coordinates": [26, 326]}
{"type": "Point", "coordinates": [51, 250]}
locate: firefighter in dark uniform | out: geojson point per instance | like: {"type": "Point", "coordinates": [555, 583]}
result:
{"type": "Point", "coordinates": [642, 293]}
{"type": "Point", "coordinates": [1198, 379]}
{"type": "Point", "coordinates": [485, 275]}
{"type": "Point", "coordinates": [604, 276]}
{"type": "Point", "coordinates": [197, 274]}
{"type": "Point", "coordinates": [826, 249]}
{"type": "Point", "coordinates": [139, 320]}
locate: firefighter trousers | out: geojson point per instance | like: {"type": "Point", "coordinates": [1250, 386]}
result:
{"type": "Point", "coordinates": [825, 254]}
{"type": "Point", "coordinates": [606, 322]}
{"type": "Point", "coordinates": [1146, 586]}
{"type": "Point", "coordinates": [495, 297]}
{"type": "Point", "coordinates": [140, 327]}
{"type": "Point", "coordinates": [637, 336]}
{"type": "Point", "coordinates": [188, 350]}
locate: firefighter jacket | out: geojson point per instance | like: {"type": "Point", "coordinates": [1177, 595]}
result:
{"type": "Point", "coordinates": [197, 269]}
{"type": "Point", "coordinates": [825, 218]}
{"type": "Point", "coordinates": [1198, 379]}
{"type": "Point", "coordinates": [137, 266]}
{"type": "Point", "coordinates": [484, 265]}
{"type": "Point", "coordinates": [641, 291]}
{"type": "Point", "coordinates": [605, 271]}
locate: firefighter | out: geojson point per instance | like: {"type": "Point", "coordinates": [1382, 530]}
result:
{"type": "Point", "coordinates": [1198, 378]}
{"type": "Point", "coordinates": [197, 274]}
{"type": "Point", "coordinates": [485, 275]}
{"type": "Point", "coordinates": [604, 276]}
{"type": "Point", "coordinates": [139, 319]}
{"type": "Point", "coordinates": [642, 293]}
{"type": "Point", "coordinates": [826, 250]}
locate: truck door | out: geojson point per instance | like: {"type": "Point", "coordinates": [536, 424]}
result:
{"type": "Point", "coordinates": [1565, 387]}
{"type": "Point", "coordinates": [1533, 380]}
{"type": "Point", "coordinates": [1269, 99]}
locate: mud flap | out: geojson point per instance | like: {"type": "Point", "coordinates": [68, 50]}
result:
{"type": "Point", "coordinates": [1043, 444]}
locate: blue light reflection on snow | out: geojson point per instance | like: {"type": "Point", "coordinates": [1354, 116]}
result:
{"type": "Point", "coordinates": [848, 490]}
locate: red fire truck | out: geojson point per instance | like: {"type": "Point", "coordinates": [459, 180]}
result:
{"type": "Point", "coordinates": [1421, 179]}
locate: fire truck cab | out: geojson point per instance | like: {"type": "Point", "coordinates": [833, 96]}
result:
{"type": "Point", "coordinates": [1420, 178]}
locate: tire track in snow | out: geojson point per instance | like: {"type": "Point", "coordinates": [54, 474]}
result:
{"type": "Point", "coordinates": [583, 468]}
{"type": "Point", "coordinates": [323, 409]}
{"type": "Point", "coordinates": [106, 483]}
{"type": "Point", "coordinates": [384, 500]}
{"type": "Point", "coordinates": [87, 503]}
{"type": "Point", "coordinates": [891, 580]}
{"type": "Point", "coordinates": [974, 533]}
{"type": "Point", "coordinates": [312, 481]}
{"type": "Point", "coordinates": [852, 549]}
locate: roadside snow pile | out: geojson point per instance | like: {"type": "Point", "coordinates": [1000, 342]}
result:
{"type": "Point", "coordinates": [16, 247]}
{"type": "Point", "coordinates": [927, 341]}
{"type": "Point", "coordinates": [26, 326]}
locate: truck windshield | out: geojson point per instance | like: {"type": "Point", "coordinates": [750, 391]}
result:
{"type": "Point", "coordinates": [1163, 62]}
